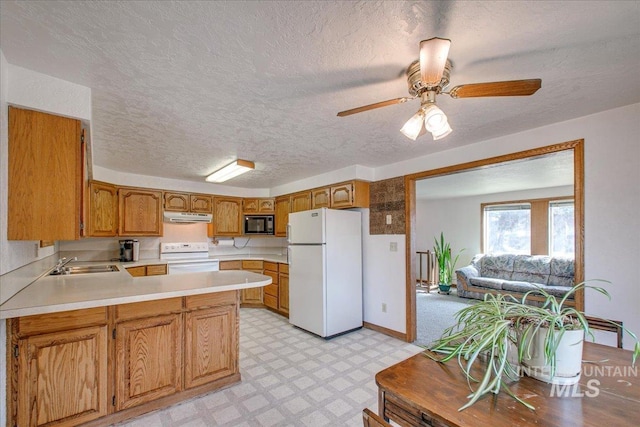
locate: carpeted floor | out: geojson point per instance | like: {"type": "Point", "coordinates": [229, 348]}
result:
{"type": "Point", "coordinates": [291, 378]}
{"type": "Point", "coordinates": [435, 313]}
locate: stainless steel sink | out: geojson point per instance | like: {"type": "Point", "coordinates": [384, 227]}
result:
{"type": "Point", "coordinates": [103, 268]}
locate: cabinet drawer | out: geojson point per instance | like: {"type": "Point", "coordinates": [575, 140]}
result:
{"type": "Point", "coordinates": [252, 265]}
{"type": "Point", "coordinates": [230, 265]}
{"type": "Point", "coordinates": [211, 300]}
{"type": "Point", "coordinates": [271, 266]}
{"type": "Point", "coordinates": [271, 290]}
{"type": "Point", "coordinates": [156, 270]}
{"type": "Point", "coordinates": [148, 308]}
{"type": "Point", "coordinates": [45, 323]}
{"type": "Point", "coordinates": [137, 271]}
{"type": "Point", "coordinates": [284, 268]}
{"type": "Point", "coordinates": [270, 301]}
{"type": "Point", "coordinates": [273, 275]}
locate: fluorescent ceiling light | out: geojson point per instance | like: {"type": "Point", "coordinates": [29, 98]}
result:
{"type": "Point", "coordinates": [231, 171]}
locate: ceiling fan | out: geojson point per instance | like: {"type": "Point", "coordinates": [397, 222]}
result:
{"type": "Point", "coordinates": [428, 77]}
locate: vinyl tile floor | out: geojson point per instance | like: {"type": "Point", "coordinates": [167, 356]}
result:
{"type": "Point", "coordinates": [291, 378]}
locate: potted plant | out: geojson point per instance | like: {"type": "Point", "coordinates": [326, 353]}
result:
{"type": "Point", "coordinates": [446, 266]}
{"type": "Point", "coordinates": [502, 333]}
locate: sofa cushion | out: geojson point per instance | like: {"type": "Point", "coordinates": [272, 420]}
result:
{"type": "Point", "coordinates": [562, 272]}
{"type": "Point", "coordinates": [520, 287]}
{"type": "Point", "coordinates": [497, 266]}
{"type": "Point", "coordinates": [533, 269]}
{"type": "Point", "coordinates": [485, 282]}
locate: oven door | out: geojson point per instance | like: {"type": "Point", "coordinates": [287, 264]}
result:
{"type": "Point", "coordinates": [193, 267]}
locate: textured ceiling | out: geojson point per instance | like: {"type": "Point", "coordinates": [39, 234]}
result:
{"type": "Point", "coordinates": [183, 88]}
{"type": "Point", "coordinates": [549, 170]}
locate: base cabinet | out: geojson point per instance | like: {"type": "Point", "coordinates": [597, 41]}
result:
{"type": "Point", "coordinates": [211, 347]}
{"type": "Point", "coordinates": [99, 366]}
{"type": "Point", "coordinates": [63, 376]}
{"type": "Point", "coordinates": [283, 289]}
{"type": "Point", "coordinates": [148, 359]}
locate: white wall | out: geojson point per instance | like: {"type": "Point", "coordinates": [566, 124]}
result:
{"type": "Point", "coordinates": [460, 218]}
{"type": "Point", "coordinates": [612, 199]}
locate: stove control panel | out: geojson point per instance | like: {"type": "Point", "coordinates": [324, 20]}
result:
{"type": "Point", "coordinates": [166, 248]}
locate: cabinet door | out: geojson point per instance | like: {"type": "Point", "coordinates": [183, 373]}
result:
{"type": "Point", "coordinates": [320, 198]}
{"type": "Point", "coordinates": [283, 293]}
{"type": "Point", "coordinates": [44, 176]}
{"type": "Point", "coordinates": [301, 201]}
{"type": "Point", "coordinates": [211, 345]}
{"type": "Point", "coordinates": [266, 206]}
{"type": "Point", "coordinates": [140, 212]}
{"type": "Point", "coordinates": [270, 293]}
{"type": "Point", "coordinates": [103, 210]}
{"type": "Point", "coordinates": [282, 216]}
{"type": "Point", "coordinates": [176, 202]}
{"type": "Point", "coordinates": [201, 203]}
{"type": "Point", "coordinates": [148, 359]}
{"type": "Point", "coordinates": [251, 296]}
{"type": "Point", "coordinates": [250, 206]}
{"type": "Point", "coordinates": [342, 196]}
{"type": "Point", "coordinates": [228, 216]}
{"type": "Point", "coordinates": [62, 377]}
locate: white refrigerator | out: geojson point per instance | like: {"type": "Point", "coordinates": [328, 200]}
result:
{"type": "Point", "coordinates": [325, 271]}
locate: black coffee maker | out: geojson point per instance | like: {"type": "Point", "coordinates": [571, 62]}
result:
{"type": "Point", "coordinates": [126, 250]}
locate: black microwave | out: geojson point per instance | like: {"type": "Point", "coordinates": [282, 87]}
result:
{"type": "Point", "coordinates": [258, 224]}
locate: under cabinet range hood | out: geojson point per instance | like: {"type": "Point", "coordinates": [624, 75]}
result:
{"type": "Point", "coordinates": [187, 217]}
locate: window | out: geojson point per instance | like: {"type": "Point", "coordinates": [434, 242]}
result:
{"type": "Point", "coordinates": [508, 228]}
{"type": "Point", "coordinates": [561, 228]}
{"type": "Point", "coordinates": [529, 227]}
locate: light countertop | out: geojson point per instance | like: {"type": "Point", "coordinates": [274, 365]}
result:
{"type": "Point", "coordinates": [50, 294]}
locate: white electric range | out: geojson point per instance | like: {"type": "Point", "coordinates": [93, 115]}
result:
{"type": "Point", "coordinates": [188, 257]}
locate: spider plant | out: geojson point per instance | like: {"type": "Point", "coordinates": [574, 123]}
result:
{"type": "Point", "coordinates": [493, 331]}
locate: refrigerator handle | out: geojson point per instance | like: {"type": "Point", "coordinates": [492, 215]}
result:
{"type": "Point", "coordinates": [288, 233]}
{"type": "Point", "coordinates": [288, 259]}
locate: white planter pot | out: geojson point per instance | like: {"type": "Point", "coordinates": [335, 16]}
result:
{"type": "Point", "coordinates": [568, 358]}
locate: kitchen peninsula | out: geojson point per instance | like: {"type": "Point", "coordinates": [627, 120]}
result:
{"type": "Point", "coordinates": [99, 348]}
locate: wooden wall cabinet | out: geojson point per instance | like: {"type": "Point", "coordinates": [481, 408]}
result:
{"type": "Point", "coordinates": [353, 194]}
{"type": "Point", "coordinates": [258, 206]}
{"type": "Point", "coordinates": [320, 198]}
{"type": "Point", "coordinates": [103, 210]}
{"type": "Point", "coordinates": [227, 217]}
{"type": "Point", "coordinates": [187, 202]}
{"type": "Point", "coordinates": [283, 207]}
{"type": "Point", "coordinates": [61, 368]}
{"type": "Point", "coordinates": [139, 212]}
{"type": "Point", "coordinates": [45, 179]}
{"type": "Point", "coordinates": [301, 201]}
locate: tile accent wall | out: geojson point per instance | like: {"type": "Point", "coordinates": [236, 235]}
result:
{"type": "Point", "coordinates": [387, 198]}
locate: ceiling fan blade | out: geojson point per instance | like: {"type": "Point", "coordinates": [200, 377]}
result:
{"type": "Point", "coordinates": [373, 106]}
{"type": "Point", "coordinates": [508, 88]}
{"type": "Point", "coordinates": [433, 57]}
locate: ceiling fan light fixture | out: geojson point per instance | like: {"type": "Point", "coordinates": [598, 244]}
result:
{"type": "Point", "coordinates": [436, 122]}
{"type": "Point", "coordinates": [232, 170]}
{"type": "Point", "coordinates": [414, 127]}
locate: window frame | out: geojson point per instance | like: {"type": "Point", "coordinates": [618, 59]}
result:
{"type": "Point", "coordinates": [540, 221]}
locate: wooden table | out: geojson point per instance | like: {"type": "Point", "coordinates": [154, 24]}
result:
{"type": "Point", "coordinates": [421, 392]}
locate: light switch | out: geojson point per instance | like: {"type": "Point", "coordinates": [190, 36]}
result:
{"type": "Point", "coordinates": [388, 219]}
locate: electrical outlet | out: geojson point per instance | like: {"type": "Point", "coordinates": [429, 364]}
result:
{"type": "Point", "coordinates": [393, 246]}
{"type": "Point", "coordinates": [37, 249]}
{"type": "Point", "coordinates": [384, 307]}
{"type": "Point", "coordinates": [389, 220]}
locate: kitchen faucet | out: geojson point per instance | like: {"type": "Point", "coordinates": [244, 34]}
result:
{"type": "Point", "coordinates": [59, 268]}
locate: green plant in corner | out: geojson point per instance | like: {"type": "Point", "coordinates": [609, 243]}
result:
{"type": "Point", "coordinates": [446, 266]}
{"type": "Point", "coordinates": [496, 333]}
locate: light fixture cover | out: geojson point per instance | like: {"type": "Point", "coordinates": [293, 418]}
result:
{"type": "Point", "coordinates": [436, 121]}
{"type": "Point", "coordinates": [231, 171]}
{"type": "Point", "coordinates": [414, 127]}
